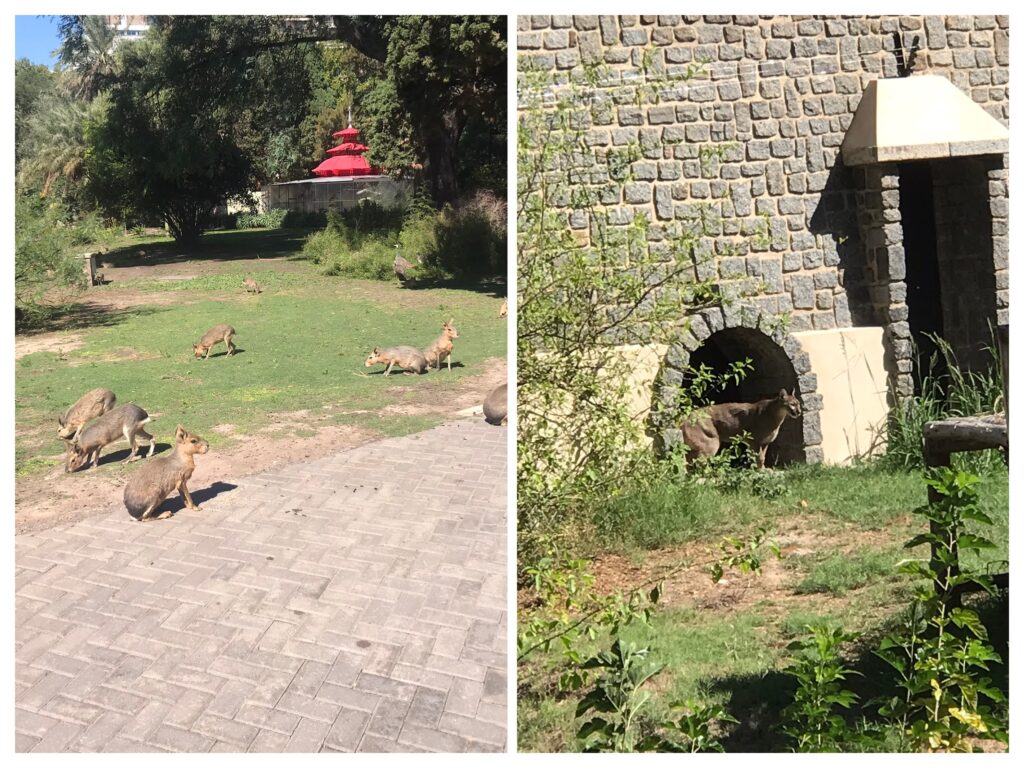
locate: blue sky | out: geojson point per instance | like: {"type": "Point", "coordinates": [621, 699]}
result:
{"type": "Point", "coordinates": [34, 38]}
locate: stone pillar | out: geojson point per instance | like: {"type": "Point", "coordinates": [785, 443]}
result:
{"type": "Point", "coordinates": [885, 271]}
{"type": "Point", "coordinates": [999, 205]}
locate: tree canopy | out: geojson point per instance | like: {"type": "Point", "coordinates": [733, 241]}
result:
{"type": "Point", "coordinates": [207, 107]}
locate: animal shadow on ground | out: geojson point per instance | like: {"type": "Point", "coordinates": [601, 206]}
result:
{"type": "Point", "coordinates": [233, 246]}
{"type": "Point", "coordinates": [124, 453]}
{"type": "Point", "coordinates": [757, 700]}
{"type": "Point", "coordinates": [495, 287]}
{"type": "Point", "coordinates": [394, 372]}
{"type": "Point", "coordinates": [224, 353]}
{"type": "Point", "coordinates": [175, 503]}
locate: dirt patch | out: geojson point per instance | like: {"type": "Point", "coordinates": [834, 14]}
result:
{"type": "Point", "coordinates": [118, 355]}
{"type": "Point", "coordinates": [54, 498]}
{"type": "Point", "coordinates": [58, 342]}
{"type": "Point", "coordinates": [687, 582]}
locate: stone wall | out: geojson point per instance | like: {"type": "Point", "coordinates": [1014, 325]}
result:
{"type": "Point", "coordinates": [800, 235]}
{"type": "Point", "coordinates": [784, 90]}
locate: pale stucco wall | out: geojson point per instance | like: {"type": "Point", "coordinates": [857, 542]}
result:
{"type": "Point", "coordinates": [848, 363]}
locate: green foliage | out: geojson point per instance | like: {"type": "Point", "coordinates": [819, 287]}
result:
{"type": "Point", "coordinates": [811, 720]}
{"type": "Point", "coordinates": [32, 83]}
{"type": "Point", "coordinates": [445, 79]}
{"type": "Point", "coordinates": [470, 239]}
{"type": "Point", "coordinates": [373, 261]}
{"type": "Point", "coordinates": [87, 54]}
{"type": "Point", "coordinates": [192, 121]}
{"type": "Point", "coordinates": [941, 654]}
{"type": "Point", "coordinates": [589, 283]}
{"type": "Point", "coordinates": [615, 703]}
{"type": "Point", "coordinates": [47, 271]}
{"type": "Point", "coordinates": [271, 219]}
{"type": "Point", "coordinates": [946, 391]}
{"type": "Point", "coordinates": [743, 554]}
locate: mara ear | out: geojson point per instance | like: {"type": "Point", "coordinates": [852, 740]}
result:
{"type": "Point", "coordinates": [179, 433]}
{"type": "Point", "coordinates": [376, 350]}
{"type": "Point", "coordinates": [782, 394]}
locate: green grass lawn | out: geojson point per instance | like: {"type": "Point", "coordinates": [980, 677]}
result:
{"type": "Point", "coordinates": [301, 346]}
{"type": "Point", "coordinates": [846, 527]}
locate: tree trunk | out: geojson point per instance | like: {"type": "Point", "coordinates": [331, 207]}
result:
{"type": "Point", "coordinates": [441, 140]}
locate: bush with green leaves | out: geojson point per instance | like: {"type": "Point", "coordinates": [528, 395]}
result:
{"type": "Point", "coordinates": [47, 267]}
{"type": "Point", "coordinates": [812, 720]}
{"type": "Point", "coordinates": [272, 219]}
{"type": "Point", "coordinates": [946, 390]}
{"type": "Point", "coordinates": [594, 281]}
{"type": "Point", "coordinates": [942, 656]}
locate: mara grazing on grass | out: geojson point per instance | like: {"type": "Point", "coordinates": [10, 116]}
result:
{"type": "Point", "coordinates": [124, 421]}
{"type": "Point", "coordinates": [151, 485]}
{"type": "Point", "coordinates": [705, 431]}
{"type": "Point", "coordinates": [212, 337]}
{"type": "Point", "coordinates": [251, 286]}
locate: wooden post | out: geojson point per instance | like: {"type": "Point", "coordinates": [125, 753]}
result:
{"type": "Point", "coordinates": [89, 267]}
{"type": "Point", "coordinates": [1003, 344]}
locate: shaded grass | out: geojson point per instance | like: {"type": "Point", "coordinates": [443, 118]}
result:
{"type": "Point", "coordinates": [299, 349]}
{"type": "Point", "coordinates": [837, 574]}
{"type": "Point", "coordinates": [735, 656]}
{"type": "Point", "coordinates": [668, 513]}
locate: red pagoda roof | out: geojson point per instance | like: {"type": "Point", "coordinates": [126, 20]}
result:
{"type": "Point", "coordinates": [348, 148]}
{"type": "Point", "coordinates": [347, 133]}
{"type": "Point", "coordinates": [346, 159]}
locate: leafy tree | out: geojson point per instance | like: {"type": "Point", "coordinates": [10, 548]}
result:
{"type": "Point", "coordinates": [86, 53]}
{"type": "Point", "coordinates": [32, 82]}
{"type": "Point", "coordinates": [54, 143]}
{"type": "Point", "coordinates": [438, 87]}
{"type": "Point", "coordinates": [186, 129]}
{"type": "Point", "coordinates": [161, 149]}
{"type": "Point", "coordinates": [446, 74]}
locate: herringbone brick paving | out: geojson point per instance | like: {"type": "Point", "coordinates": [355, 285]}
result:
{"type": "Point", "coordinates": [352, 603]}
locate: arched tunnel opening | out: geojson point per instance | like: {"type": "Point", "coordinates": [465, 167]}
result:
{"type": "Point", "coordinates": [771, 370]}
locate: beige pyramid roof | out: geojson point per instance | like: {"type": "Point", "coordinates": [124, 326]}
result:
{"type": "Point", "coordinates": [922, 117]}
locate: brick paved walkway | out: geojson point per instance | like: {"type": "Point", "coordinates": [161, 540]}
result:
{"type": "Point", "coordinates": [356, 602]}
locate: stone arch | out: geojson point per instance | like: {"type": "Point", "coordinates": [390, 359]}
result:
{"type": "Point", "coordinates": [717, 336]}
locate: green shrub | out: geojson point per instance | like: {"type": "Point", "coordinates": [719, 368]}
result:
{"type": "Point", "coordinates": [46, 265]}
{"type": "Point", "coordinates": [324, 247]}
{"type": "Point", "coordinates": [374, 261]}
{"type": "Point", "coordinates": [272, 219]}
{"type": "Point", "coordinates": [471, 239]}
{"type": "Point", "coordinates": [304, 220]}
{"type": "Point", "coordinates": [946, 391]}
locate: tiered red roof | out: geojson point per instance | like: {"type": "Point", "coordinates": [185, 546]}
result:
{"type": "Point", "coordinates": [346, 159]}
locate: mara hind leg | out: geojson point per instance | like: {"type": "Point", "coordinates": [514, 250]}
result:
{"type": "Point", "coordinates": [230, 346]}
{"type": "Point", "coordinates": [449, 362]}
{"type": "Point", "coordinates": [130, 437]}
{"type": "Point", "coordinates": [148, 514]}
{"type": "Point", "coordinates": [143, 434]}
